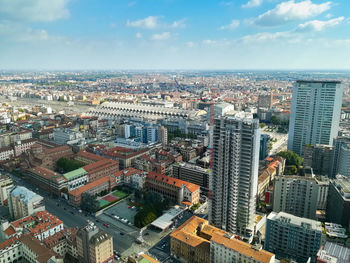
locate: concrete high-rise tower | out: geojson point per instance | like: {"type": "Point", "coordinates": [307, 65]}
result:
{"type": "Point", "coordinates": [315, 113]}
{"type": "Point", "coordinates": [233, 183]}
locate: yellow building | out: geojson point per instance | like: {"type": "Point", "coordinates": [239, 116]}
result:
{"type": "Point", "coordinates": [94, 245]}
{"type": "Point", "coordinates": [198, 242]}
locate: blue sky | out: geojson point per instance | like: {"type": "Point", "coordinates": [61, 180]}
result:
{"type": "Point", "coordinates": [174, 34]}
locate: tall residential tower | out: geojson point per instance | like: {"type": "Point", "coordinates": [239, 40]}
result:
{"type": "Point", "coordinates": [233, 184]}
{"type": "Point", "coordinates": [315, 113]}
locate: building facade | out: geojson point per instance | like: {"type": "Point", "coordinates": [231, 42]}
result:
{"type": "Point", "coordinates": [293, 237]}
{"type": "Point", "coordinates": [338, 203]}
{"type": "Point", "coordinates": [23, 202]}
{"type": "Point", "coordinates": [315, 114]}
{"type": "Point", "coordinates": [234, 179]}
{"type": "Point", "coordinates": [296, 195]}
{"type": "Point", "coordinates": [94, 245]}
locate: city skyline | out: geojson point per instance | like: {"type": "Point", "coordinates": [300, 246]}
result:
{"type": "Point", "coordinates": [173, 34]}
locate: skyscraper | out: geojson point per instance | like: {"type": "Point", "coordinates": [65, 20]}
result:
{"type": "Point", "coordinates": [233, 183]}
{"type": "Point", "coordinates": [315, 113]}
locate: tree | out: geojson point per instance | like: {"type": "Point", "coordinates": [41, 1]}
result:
{"type": "Point", "coordinates": [291, 170]}
{"type": "Point", "coordinates": [262, 125]}
{"type": "Point", "coordinates": [89, 203]}
{"type": "Point", "coordinates": [275, 120]}
{"type": "Point", "coordinates": [66, 165]}
{"type": "Point", "coordinates": [291, 158]}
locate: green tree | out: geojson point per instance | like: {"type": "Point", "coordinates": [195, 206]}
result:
{"type": "Point", "coordinates": [89, 203]}
{"type": "Point", "coordinates": [275, 120]}
{"type": "Point", "coordinates": [291, 158]}
{"type": "Point", "coordinates": [66, 165]}
{"type": "Point", "coordinates": [262, 125]}
{"type": "Point", "coordinates": [291, 170]}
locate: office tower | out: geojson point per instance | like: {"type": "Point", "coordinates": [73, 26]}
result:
{"type": "Point", "coordinates": [338, 202]}
{"type": "Point", "coordinates": [319, 158]}
{"type": "Point", "coordinates": [293, 237]}
{"type": "Point", "coordinates": [265, 101]}
{"type": "Point", "coordinates": [234, 179]}
{"type": "Point", "coordinates": [323, 186]}
{"type": "Point", "coordinates": [23, 202]}
{"type": "Point", "coordinates": [315, 113]}
{"type": "Point", "coordinates": [94, 245]}
{"type": "Point", "coordinates": [264, 146]}
{"type": "Point", "coordinates": [341, 157]}
{"type": "Point", "coordinates": [296, 195]}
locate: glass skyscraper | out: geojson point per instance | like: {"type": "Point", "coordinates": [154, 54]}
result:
{"type": "Point", "coordinates": [315, 113]}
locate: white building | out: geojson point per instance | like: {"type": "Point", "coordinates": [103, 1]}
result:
{"type": "Point", "coordinates": [234, 180]}
{"type": "Point", "coordinates": [296, 195]}
{"type": "Point", "coordinates": [23, 202]}
{"type": "Point", "coordinates": [315, 113]}
{"type": "Point", "coordinates": [5, 185]}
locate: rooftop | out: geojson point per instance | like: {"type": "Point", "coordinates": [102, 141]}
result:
{"type": "Point", "coordinates": [319, 81]}
{"type": "Point", "coordinates": [173, 181]}
{"type": "Point", "coordinates": [25, 194]}
{"type": "Point", "coordinates": [79, 191]}
{"type": "Point", "coordinates": [75, 173]}
{"type": "Point", "coordinates": [295, 220]}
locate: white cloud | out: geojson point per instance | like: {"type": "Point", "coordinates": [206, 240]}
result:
{"type": "Point", "coordinates": [34, 10]}
{"type": "Point", "coordinates": [149, 22]}
{"type": "Point", "coordinates": [233, 25]}
{"type": "Point", "coordinates": [161, 36]}
{"type": "Point", "coordinates": [252, 3]}
{"type": "Point", "coordinates": [138, 35]}
{"type": "Point", "coordinates": [216, 43]}
{"type": "Point", "coordinates": [178, 24]}
{"type": "Point", "coordinates": [291, 11]}
{"type": "Point", "coordinates": [153, 22]}
{"type": "Point", "coordinates": [226, 3]}
{"type": "Point", "coordinates": [190, 44]}
{"type": "Point", "coordinates": [317, 25]}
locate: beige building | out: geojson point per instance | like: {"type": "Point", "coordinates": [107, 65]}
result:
{"type": "Point", "coordinates": [198, 242]}
{"type": "Point", "coordinates": [94, 245]}
{"type": "Point", "coordinates": [23, 202]}
{"type": "Point", "coordinates": [5, 185]}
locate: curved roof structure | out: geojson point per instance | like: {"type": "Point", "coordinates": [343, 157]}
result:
{"type": "Point", "coordinates": [121, 109]}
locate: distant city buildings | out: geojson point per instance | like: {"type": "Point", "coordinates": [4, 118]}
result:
{"type": "Point", "coordinates": [234, 179]}
{"type": "Point", "coordinates": [293, 237]}
{"type": "Point", "coordinates": [315, 114]}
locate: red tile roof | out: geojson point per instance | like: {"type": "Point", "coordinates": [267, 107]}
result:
{"type": "Point", "coordinates": [84, 188]}
{"type": "Point", "coordinates": [128, 172]}
{"type": "Point", "coordinates": [173, 181]}
{"type": "Point", "coordinates": [91, 156]}
{"type": "Point", "coordinates": [8, 243]}
{"type": "Point", "coordinates": [100, 165]}
{"type": "Point", "coordinates": [10, 231]}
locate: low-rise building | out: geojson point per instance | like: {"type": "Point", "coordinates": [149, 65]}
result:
{"type": "Point", "coordinates": [101, 168]}
{"type": "Point", "coordinates": [179, 191]}
{"type": "Point", "coordinates": [333, 253]}
{"type": "Point", "coordinates": [87, 157]}
{"type": "Point", "coordinates": [93, 188]}
{"type": "Point", "coordinates": [63, 242]}
{"type": "Point", "coordinates": [47, 179]}
{"type": "Point", "coordinates": [76, 178]}
{"type": "Point", "coordinates": [40, 225]}
{"type": "Point", "coordinates": [34, 251]}
{"type": "Point", "coordinates": [11, 250]}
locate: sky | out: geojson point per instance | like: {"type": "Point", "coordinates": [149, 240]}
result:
{"type": "Point", "coordinates": [174, 34]}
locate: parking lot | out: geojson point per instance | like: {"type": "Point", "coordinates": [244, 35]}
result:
{"type": "Point", "coordinates": [123, 211]}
